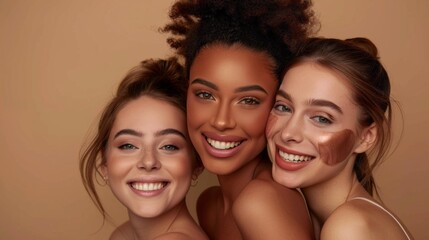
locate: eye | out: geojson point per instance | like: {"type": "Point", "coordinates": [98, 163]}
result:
{"type": "Point", "coordinates": [204, 95]}
{"type": "Point", "coordinates": [250, 101]}
{"type": "Point", "coordinates": [170, 147]}
{"type": "Point", "coordinates": [282, 107]}
{"type": "Point", "coordinates": [322, 120]}
{"type": "Point", "coordinates": [127, 146]}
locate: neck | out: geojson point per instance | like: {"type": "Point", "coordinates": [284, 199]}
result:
{"type": "Point", "coordinates": [152, 227]}
{"type": "Point", "coordinates": [323, 198]}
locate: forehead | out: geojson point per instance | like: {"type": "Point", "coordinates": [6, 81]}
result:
{"type": "Point", "coordinates": [313, 81]}
{"type": "Point", "coordinates": [150, 114]}
{"type": "Point", "coordinates": [235, 63]}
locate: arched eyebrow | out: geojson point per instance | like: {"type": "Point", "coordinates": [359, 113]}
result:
{"type": "Point", "coordinates": [168, 131]}
{"type": "Point", "coordinates": [250, 88]}
{"type": "Point", "coordinates": [240, 89]}
{"type": "Point", "coordinates": [325, 103]}
{"type": "Point", "coordinates": [205, 83]}
{"type": "Point", "coordinates": [163, 132]}
{"type": "Point", "coordinates": [128, 131]}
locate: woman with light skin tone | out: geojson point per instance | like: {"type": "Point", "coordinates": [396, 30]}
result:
{"type": "Point", "coordinates": [143, 152]}
{"type": "Point", "coordinates": [332, 112]}
{"type": "Point", "coordinates": [234, 53]}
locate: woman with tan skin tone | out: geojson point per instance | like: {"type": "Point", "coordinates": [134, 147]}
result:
{"type": "Point", "coordinates": [143, 152]}
{"type": "Point", "coordinates": [332, 111]}
{"type": "Point", "coordinates": [234, 53]}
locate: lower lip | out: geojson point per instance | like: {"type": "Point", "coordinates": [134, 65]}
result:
{"type": "Point", "coordinates": [149, 193]}
{"type": "Point", "coordinates": [289, 166]}
{"type": "Point", "coordinates": [220, 153]}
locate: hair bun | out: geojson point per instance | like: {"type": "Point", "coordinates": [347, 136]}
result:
{"type": "Point", "coordinates": [365, 44]}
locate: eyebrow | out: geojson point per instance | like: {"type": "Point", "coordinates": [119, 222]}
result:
{"type": "Point", "coordinates": [324, 103]}
{"type": "Point", "coordinates": [128, 131]}
{"type": "Point", "coordinates": [250, 88]}
{"type": "Point", "coordinates": [313, 102]}
{"type": "Point", "coordinates": [205, 83]}
{"type": "Point", "coordinates": [168, 131]}
{"type": "Point", "coordinates": [163, 132]}
{"type": "Point", "coordinates": [240, 89]}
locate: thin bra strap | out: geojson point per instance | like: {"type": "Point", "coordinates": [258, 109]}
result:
{"type": "Point", "coordinates": [378, 205]}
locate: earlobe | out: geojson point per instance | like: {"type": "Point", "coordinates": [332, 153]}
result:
{"type": "Point", "coordinates": [368, 138]}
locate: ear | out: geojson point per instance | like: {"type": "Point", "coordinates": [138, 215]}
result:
{"type": "Point", "coordinates": [367, 138]}
{"type": "Point", "coordinates": [102, 170]}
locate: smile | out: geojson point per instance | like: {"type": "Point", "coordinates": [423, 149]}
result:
{"type": "Point", "coordinates": [222, 145]}
{"type": "Point", "coordinates": [294, 158]}
{"type": "Point", "coordinates": [148, 186]}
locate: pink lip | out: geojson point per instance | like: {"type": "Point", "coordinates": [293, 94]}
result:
{"type": "Point", "coordinates": [221, 153]}
{"type": "Point", "coordinates": [223, 138]}
{"type": "Point", "coordinates": [289, 166]}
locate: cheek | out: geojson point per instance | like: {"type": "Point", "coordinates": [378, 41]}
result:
{"type": "Point", "coordinates": [272, 121]}
{"type": "Point", "coordinates": [336, 147]}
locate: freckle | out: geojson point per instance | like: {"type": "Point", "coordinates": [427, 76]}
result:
{"type": "Point", "coordinates": [336, 147]}
{"type": "Point", "coordinates": [272, 120]}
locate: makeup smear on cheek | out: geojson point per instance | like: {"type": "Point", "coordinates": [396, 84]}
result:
{"type": "Point", "coordinates": [336, 147]}
{"type": "Point", "coordinates": [272, 120]}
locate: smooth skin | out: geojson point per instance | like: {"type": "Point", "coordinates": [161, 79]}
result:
{"type": "Point", "coordinates": [314, 106]}
{"type": "Point", "coordinates": [149, 167]}
{"type": "Point", "coordinates": [231, 93]}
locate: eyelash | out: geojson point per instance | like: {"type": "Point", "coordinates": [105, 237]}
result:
{"type": "Point", "coordinates": [250, 101]}
{"type": "Point", "coordinates": [204, 95]}
{"type": "Point", "coordinates": [281, 107]}
{"type": "Point", "coordinates": [127, 146]}
{"type": "Point", "coordinates": [320, 120]}
{"type": "Point", "coordinates": [169, 146]}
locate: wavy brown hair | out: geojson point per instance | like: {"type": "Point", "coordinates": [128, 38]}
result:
{"type": "Point", "coordinates": [357, 60]}
{"type": "Point", "coordinates": [161, 79]}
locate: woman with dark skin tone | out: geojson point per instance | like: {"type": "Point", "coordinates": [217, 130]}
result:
{"type": "Point", "coordinates": [143, 152]}
{"type": "Point", "coordinates": [234, 54]}
{"type": "Point", "coordinates": [332, 112]}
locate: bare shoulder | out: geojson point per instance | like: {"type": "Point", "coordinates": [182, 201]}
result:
{"type": "Point", "coordinates": [179, 236]}
{"type": "Point", "coordinates": [207, 208]}
{"type": "Point", "coordinates": [122, 232]}
{"type": "Point", "coordinates": [269, 209]}
{"type": "Point", "coordinates": [360, 220]}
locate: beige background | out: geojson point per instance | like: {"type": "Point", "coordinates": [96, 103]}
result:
{"type": "Point", "coordinates": [60, 61]}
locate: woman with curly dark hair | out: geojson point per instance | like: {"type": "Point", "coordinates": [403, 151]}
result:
{"type": "Point", "coordinates": [234, 54]}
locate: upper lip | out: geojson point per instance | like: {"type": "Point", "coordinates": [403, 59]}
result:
{"type": "Point", "coordinates": [223, 138]}
{"type": "Point", "coordinates": [289, 151]}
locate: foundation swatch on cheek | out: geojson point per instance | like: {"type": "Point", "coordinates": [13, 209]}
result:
{"type": "Point", "coordinates": [336, 147]}
{"type": "Point", "coordinates": [272, 120]}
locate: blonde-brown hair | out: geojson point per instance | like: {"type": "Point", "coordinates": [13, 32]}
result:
{"type": "Point", "coordinates": [161, 79]}
{"type": "Point", "coordinates": [357, 60]}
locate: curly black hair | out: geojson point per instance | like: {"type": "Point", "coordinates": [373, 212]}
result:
{"type": "Point", "coordinates": [274, 27]}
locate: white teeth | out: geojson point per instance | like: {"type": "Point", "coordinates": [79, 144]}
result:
{"type": "Point", "coordinates": [293, 157]}
{"type": "Point", "coordinates": [147, 186]}
{"type": "Point", "coordinates": [222, 145]}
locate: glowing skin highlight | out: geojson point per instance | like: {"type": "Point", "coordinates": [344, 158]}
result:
{"type": "Point", "coordinates": [336, 147]}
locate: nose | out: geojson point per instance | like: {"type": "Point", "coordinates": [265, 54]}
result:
{"type": "Point", "coordinates": [292, 130]}
{"type": "Point", "coordinates": [148, 161]}
{"type": "Point", "coordinates": [223, 119]}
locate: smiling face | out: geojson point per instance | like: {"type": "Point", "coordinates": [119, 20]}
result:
{"type": "Point", "coordinates": [313, 131]}
{"type": "Point", "coordinates": [149, 158]}
{"type": "Point", "coordinates": [229, 99]}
